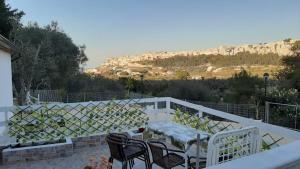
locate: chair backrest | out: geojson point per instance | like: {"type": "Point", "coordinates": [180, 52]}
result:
{"type": "Point", "coordinates": [116, 144]}
{"type": "Point", "coordinates": [233, 144]}
{"type": "Point", "coordinates": [157, 151]}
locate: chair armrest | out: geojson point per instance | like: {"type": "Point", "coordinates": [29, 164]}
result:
{"type": "Point", "coordinates": [173, 150]}
{"type": "Point", "coordinates": [135, 145]}
{"type": "Point", "coordinates": [137, 142]}
{"type": "Point", "coordinates": [125, 143]}
{"type": "Point", "coordinates": [130, 140]}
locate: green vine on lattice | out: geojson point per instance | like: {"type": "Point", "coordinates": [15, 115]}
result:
{"type": "Point", "coordinates": [32, 124]}
{"type": "Point", "coordinates": [192, 120]}
{"type": "Point", "coordinates": [202, 124]}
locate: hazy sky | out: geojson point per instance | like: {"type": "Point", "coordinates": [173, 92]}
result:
{"type": "Point", "coordinates": [120, 27]}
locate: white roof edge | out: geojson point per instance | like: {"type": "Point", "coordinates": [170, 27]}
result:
{"type": "Point", "coordinates": [5, 44]}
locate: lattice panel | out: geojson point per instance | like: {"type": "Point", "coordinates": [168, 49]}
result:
{"type": "Point", "coordinates": [230, 145]}
{"type": "Point", "coordinates": [203, 123]}
{"type": "Point", "coordinates": [192, 120]}
{"type": "Point", "coordinates": [213, 126]}
{"type": "Point", "coordinates": [43, 123]}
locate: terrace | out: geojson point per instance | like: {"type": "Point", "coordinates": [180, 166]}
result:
{"type": "Point", "coordinates": [67, 135]}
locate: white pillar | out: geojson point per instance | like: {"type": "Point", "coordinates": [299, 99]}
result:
{"type": "Point", "coordinates": [155, 105]}
{"type": "Point", "coordinates": [6, 93]}
{"type": "Point", "coordinates": [200, 114]}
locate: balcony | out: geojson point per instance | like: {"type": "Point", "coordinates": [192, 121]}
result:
{"type": "Point", "coordinates": [68, 135]}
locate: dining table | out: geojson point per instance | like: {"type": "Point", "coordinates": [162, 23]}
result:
{"type": "Point", "coordinates": [181, 133]}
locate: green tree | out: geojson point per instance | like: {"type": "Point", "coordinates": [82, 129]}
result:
{"type": "Point", "coordinates": [287, 40]}
{"type": "Point", "coordinates": [46, 55]}
{"type": "Point", "coordinates": [129, 85]}
{"type": "Point", "coordinates": [8, 17]}
{"type": "Point", "coordinates": [187, 89]}
{"type": "Point", "coordinates": [290, 75]}
{"type": "Point", "coordinates": [243, 86]}
{"type": "Point", "coordinates": [93, 83]}
{"type": "Point", "coordinates": [182, 74]}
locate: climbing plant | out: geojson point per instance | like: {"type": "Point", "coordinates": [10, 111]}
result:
{"type": "Point", "coordinates": [192, 120]}
{"type": "Point", "coordinates": [43, 123]}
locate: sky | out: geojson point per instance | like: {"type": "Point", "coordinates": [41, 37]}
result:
{"type": "Point", "coordinates": [112, 28]}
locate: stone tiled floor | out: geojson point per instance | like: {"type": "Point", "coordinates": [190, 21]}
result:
{"type": "Point", "coordinates": [78, 160]}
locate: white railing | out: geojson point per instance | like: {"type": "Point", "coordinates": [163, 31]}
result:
{"type": "Point", "coordinates": [284, 132]}
{"type": "Point", "coordinates": [5, 113]}
{"type": "Point", "coordinates": [283, 157]}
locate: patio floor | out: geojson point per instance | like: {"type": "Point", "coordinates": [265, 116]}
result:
{"type": "Point", "coordinates": [78, 160]}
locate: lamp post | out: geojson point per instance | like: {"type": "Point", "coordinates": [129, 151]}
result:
{"type": "Point", "coordinates": [266, 78]}
{"type": "Point", "coordinates": [142, 84]}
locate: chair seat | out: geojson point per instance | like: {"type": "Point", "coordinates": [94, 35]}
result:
{"type": "Point", "coordinates": [172, 160]}
{"type": "Point", "coordinates": [133, 151]}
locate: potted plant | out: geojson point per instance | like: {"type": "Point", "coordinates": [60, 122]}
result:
{"type": "Point", "coordinates": [103, 163]}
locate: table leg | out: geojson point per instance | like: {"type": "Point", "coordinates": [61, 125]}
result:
{"type": "Point", "coordinates": [198, 149]}
{"type": "Point", "coordinates": [186, 160]}
{"type": "Point", "coordinates": [186, 147]}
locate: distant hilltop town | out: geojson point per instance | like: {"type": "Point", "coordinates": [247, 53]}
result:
{"type": "Point", "coordinates": [125, 65]}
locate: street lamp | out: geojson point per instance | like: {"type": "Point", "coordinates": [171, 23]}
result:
{"type": "Point", "coordinates": [142, 84]}
{"type": "Point", "coordinates": [266, 78]}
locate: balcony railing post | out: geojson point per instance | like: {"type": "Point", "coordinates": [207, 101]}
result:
{"type": "Point", "coordinates": [4, 118]}
{"type": "Point", "coordinates": [296, 116]}
{"type": "Point", "coordinates": [155, 105]}
{"type": "Point", "coordinates": [168, 104]}
{"type": "Point", "coordinates": [227, 107]}
{"type": "Point", "coordinates": [200, 113]}
{"type": "Point", "coordinates": [198, 153]}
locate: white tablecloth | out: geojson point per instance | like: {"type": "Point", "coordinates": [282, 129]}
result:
{"type": "Point", "coordinates": [177, 131]}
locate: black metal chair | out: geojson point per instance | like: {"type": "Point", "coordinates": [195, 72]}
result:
{"type": "Point", "coordinates": [126, 150]}
{"type": "Point", "coordinates": [165, 160]}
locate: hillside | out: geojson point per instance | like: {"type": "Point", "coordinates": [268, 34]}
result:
{"type": "Point", "coordinates": [221, 62]}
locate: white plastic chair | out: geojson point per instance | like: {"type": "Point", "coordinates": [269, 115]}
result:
{"type": "Point", "coordinates": [229, 145]}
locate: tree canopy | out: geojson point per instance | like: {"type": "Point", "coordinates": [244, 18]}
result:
{"type": "Point", "coordinates": [243, 86]}
{"type": "Point", "coordinates": [290, 75]}
{"type": "Point", "coordinates": [47, 58]}
{"type": "Point", "coordinates": [8, 17]}
{"type": "Point", "coordinates": [182, 74]}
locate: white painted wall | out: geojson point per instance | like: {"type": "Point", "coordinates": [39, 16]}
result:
{"type": "Point", "coordinates": [6, 96]}
{"type": "Point", "coordinates": [6, 93]}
